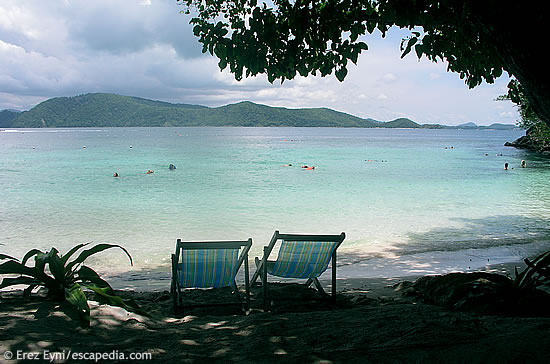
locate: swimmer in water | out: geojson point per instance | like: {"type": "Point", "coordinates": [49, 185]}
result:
{"type": "Point", "coordinates": [171, 167]}
{"type": "Point", "coordinates": [523, 164]}
{"type": "Point", "coordinates": [149, 171]}
{"type": "Point", "coordinates": [505, 166]}
{"type": "Point", "coordinates": [115, 174]}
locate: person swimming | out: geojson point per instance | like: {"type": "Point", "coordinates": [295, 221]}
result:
{"type": "Point", "coordinates": [149, 171]}
{"type": "Point", "coordinates": [505, 166]}
{"type": "Point", "coordinates": [171, 167]}
{"type": "Point", "coordinates": [523, 165]}
{"type": "Point", "coordinates": [115, 174]}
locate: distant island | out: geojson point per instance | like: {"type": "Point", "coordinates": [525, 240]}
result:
{"type": "Point", "coordinates": [111, 110]}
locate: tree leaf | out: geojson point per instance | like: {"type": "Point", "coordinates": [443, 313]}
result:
{"type": "Point", "coordinates": [341, 73]}
{"type": "Point", "coordinates": [411, 41]}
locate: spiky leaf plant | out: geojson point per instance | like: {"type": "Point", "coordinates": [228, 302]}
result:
{"type": "Point", "coordinates": [536, 274]}
{"type": "Point", "coordinates": [65, 279]}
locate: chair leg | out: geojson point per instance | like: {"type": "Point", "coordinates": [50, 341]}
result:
{"type": "Point", "coordinates": [236, 289]}
{"type": "Point", "coordinates": [333, 288]}
{"type": "Point", "coordinates": [319, 287]}
{"type": "Point", "coordinates": [247, 284]}
{"type": "Point", "coordinates": [176, 302]}
{"type": "Point", "coordinates": [259, 269]}
{"type": "Point", "coordinates": [264, 282]}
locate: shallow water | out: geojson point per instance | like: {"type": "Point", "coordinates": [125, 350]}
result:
{"type": "Point", "coordinates": [396, 193]}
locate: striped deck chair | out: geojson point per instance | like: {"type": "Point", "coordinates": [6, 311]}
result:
{"type": "Point", "coordinates": [300, 256]}
{"type": "Point", "coordinates": [209, 265]}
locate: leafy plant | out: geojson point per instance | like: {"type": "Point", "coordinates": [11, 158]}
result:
{"type": "Point", "coordinates": [65, 279]}
{"type": "Point", "coordinates": [536, 274]}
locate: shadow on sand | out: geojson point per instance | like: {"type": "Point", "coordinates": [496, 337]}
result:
{"type": "Point", "coordinates": [362, 327]}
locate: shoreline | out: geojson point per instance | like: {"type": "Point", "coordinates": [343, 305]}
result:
{"type": "Point", "coordinates": [503, 260]}
{"type": "Point", "coordinates": [353, 271]}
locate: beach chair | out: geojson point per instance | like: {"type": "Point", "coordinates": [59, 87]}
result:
{"type": "Point", "coordinates": [300, 256]}
{"type": "Point", "coordinates": [209, 264]}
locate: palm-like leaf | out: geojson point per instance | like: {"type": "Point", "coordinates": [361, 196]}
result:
{"type": "Point", "coordinates": [77, 298]}
{"type": "Point", "coordinates": [88, 275]}
{"type": "Point", "coordinates": [96, 249]}
{"type": "Point", "coordinates": [537, 272]}
{"type": "Point", "coordinates": [67, 279]}
{"type": "Point", "coordinates": [14, 267]}
{"type": "Point", "coordinates": [4, 257]}
{"type": "Point", "coordinates": [30, 254]}
{"type": "Point", "coordinates": [103, 295]}
{"type": "Point", "coordinates": [6, 282]}
{"type": "Point", "coordinates": [66, 257]}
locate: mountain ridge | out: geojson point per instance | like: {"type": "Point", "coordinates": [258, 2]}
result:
{"type": "Point", "coordinates": [112, 110]}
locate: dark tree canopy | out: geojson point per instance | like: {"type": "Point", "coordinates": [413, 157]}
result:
{"type": "Point", "coordinates": [479, 40]}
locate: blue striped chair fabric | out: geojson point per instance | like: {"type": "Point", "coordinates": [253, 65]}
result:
{"type": "Point", "coordinates": [204, 268]}
{"type": "Point", "coordinates": [302, 259]}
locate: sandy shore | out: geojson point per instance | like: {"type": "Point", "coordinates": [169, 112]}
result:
{"type": "Point", "coordinates": [371, 322]}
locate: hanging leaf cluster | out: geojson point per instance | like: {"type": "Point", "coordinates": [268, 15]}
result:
{"type": "Point", "coordinates": [310, 37]}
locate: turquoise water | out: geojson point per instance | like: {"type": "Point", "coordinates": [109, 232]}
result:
{"type": "Point", "coordinates": [400, 195]}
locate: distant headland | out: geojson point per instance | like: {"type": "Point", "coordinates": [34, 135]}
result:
{"type": "Point", "coordinates": [111, 110]}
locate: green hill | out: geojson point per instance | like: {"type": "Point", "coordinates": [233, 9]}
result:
{"type": "Point", "coordinates": [6, 117]}
{"type": "Point", "coordinates": [109, 110]}
{"type": "Point", "coordinates": [401, 123]}
{"type": "Point", "coordinates": [105, 110]}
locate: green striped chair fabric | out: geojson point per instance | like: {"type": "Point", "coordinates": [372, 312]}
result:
{"type": "Point", "coordinates": [302, 259]}
{"type": "Point", "coordinates": [202, 268]}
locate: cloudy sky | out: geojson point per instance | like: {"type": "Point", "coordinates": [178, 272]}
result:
{"type": "Point", "coordinates": [146, 48]}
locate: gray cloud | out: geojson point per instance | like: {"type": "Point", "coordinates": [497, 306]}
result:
{"type": "Point", "coordinates": [118, 27]}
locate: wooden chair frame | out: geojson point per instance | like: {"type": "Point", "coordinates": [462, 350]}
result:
{"type": "Point", "coordinates": [175, 288]}
{"type": "Point", "coordinates": [261, 265]}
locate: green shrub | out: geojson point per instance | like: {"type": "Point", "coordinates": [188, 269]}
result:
{"type": "Point", "coordinates": [65, 279]}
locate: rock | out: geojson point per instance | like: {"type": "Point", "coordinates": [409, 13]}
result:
{"type": "Point", "coordinates": [482, 293]}
{"type": "Point", "coordinates": [524, 142]}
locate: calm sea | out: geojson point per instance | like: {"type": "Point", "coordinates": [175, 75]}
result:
{"type": "Point", "coordinates": [410, 201]}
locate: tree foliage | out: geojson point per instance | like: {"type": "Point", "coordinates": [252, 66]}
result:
{"type": "Point", "coordinates": [479, 40]}
{"type": "Point", "coordinates": [538, 132]}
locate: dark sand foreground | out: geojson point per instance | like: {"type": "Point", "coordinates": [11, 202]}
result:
{"type": "Point", "coordinates": [370, 323]}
